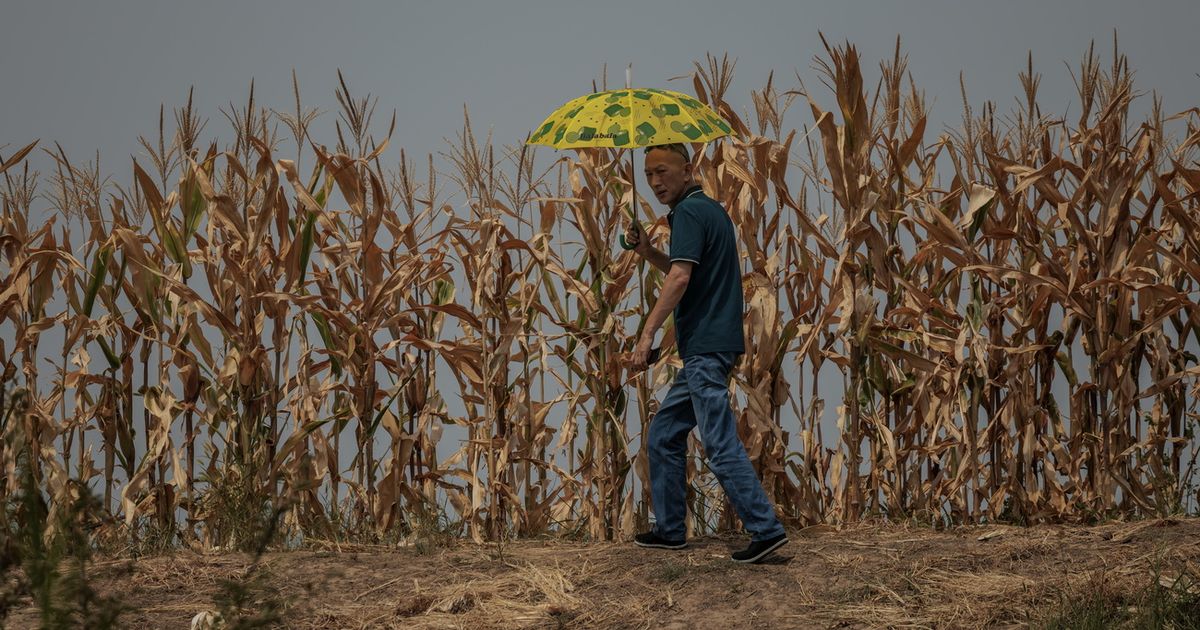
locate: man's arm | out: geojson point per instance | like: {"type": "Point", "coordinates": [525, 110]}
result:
{"type": "Point", "coordinates": [658, 258]}
{"type": "Point", "coordinates": [678, 275]}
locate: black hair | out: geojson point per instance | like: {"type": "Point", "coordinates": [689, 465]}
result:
{"type": "Point", "coordinates": [675, 147]}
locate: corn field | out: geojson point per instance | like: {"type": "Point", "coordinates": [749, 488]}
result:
{"type": "Point", "coordinates": [1006, 310]}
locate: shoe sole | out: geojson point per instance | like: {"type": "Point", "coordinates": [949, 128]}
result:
{"type": "Point", "coordinates": [659, 545]}
{"type": "Point", "coordinates": [763, 554]}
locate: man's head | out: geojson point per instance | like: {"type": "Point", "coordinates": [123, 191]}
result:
{"type": "Point", "coordinates": [668, 171]}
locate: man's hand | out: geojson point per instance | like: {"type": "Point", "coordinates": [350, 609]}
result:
{"type": "Point", "coordinates": [639, 360]}
{"type": "Point", "coordinates": [639, 241]}
{"type": "Point", "coordinates": [634, 237]}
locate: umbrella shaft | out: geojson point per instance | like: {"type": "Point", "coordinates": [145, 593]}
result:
{"type": "Point", "coordinates": [633, 209]}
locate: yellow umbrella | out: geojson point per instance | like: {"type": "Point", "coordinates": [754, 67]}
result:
{"type": "Point", "coordinates": [629, 118]}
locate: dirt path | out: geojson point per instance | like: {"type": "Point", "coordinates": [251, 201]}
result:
{"type": "Point", "coordinates": [865, 576]}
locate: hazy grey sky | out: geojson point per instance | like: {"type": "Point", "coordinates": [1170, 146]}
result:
{"type": "Point", "coordinates": [91, 74]}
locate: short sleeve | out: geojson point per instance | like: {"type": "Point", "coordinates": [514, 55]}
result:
{"type": "Point", "coordinates": [687, 236]}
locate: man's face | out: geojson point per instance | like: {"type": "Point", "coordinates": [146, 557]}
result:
{"type": "Point", "coordinates": [668, 174]}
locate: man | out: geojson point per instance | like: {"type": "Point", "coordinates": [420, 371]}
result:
{"type": "Point", "coordinates": [703, 287]}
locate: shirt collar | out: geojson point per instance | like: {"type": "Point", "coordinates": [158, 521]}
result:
{"type": "Point", "coordinates": [688, 192]}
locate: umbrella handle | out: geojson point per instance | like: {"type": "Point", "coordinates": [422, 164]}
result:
{"type": "Point", "coordinates": [626, 245]}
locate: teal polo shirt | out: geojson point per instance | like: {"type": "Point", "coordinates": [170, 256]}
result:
{"type": "Point", "coordinates": [709, 316]}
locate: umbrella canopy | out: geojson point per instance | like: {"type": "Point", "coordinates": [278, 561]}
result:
{"type": "Point", "coordinates": [629, 118]}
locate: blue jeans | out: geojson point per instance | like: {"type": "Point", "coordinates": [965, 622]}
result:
{"type": "Point", "coordinates": [700, 397]}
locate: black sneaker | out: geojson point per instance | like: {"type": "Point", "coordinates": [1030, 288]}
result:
{"type": "Point", "coordinates": [759, 550]}
{"type": "Point", "coordinates": [651, 539]}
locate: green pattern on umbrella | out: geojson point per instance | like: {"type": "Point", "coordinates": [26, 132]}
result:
{"type": "Point", "coordinates": [720, 124]}
{"type": "Point", "coordinates": [687, 129]}
{"type": "Point", "coordinates": [586, 133]}
{"type": "Point", "coordinates": [645, 134]}
{"type": "Point", "coordinates": [668, 109]}
{"type": "Point", "coordinates": [543, 131]}
{"type": "Point", "coordinates": [616, 109]}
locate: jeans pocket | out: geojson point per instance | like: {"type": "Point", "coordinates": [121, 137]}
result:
{"type": "Point", "coordinates": [710, 367]}
{"type": "Point", "coordinates": [726, 361]}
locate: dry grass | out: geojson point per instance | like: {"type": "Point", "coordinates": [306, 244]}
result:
{"type": "Point", "coordinates": [866, 575]}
